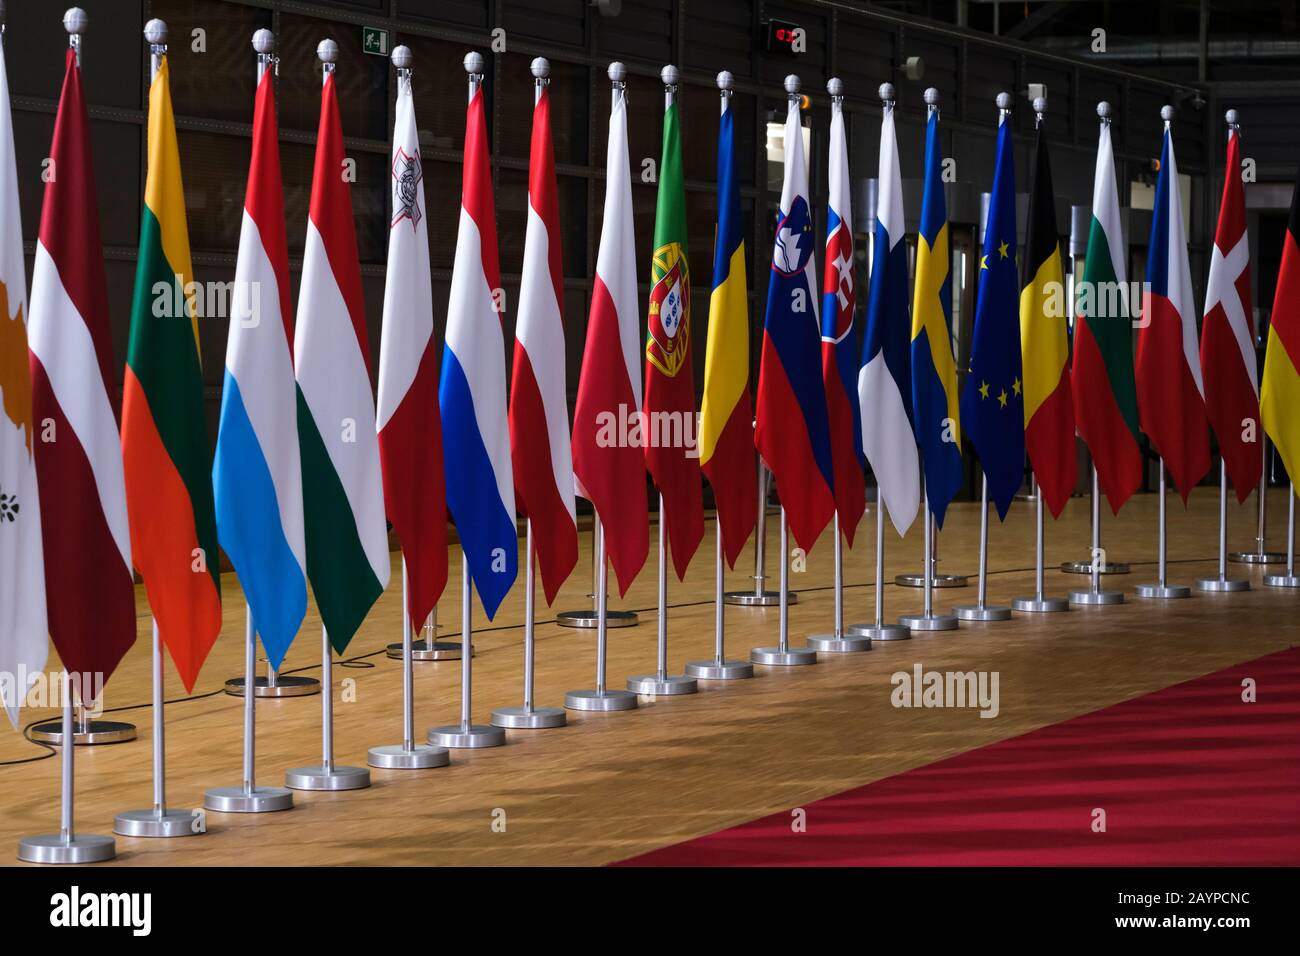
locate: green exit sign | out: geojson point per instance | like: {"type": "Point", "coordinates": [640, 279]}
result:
{"type": "Point", "coordinates": [376, 41]}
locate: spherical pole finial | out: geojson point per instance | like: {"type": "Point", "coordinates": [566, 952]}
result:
{"type": "Point", "coordinates": [474, 62]}
{"type": "Point", "coordinates": [617, 72]}
{"type": "Point", "coordinates": [1167, 113]}
{"type": "Point", "coordinates": [1230, 117]}
{"type": "Point", "coordinates": [155, 31]}
{"type": "Point", "coordinates": [670, 75]}
{"type": "Point", "coordinates": [792, 84]}
{"type": "Point", "coordinates": [1104, 110]}
{"type": "Point", "coordinates": [835, 86]}
{"type": "Point", "coordinates": [401, 56]}
{"type": "Point", "coordinates": [887, 92]}
{"type": "Point", "coordinates": [541, 68]}
{"type": "Point", "coordinates": [75, 21]}
{"type": "Point", "coordinates": [1040, 105]}
{"type": "Point", "coordinates": [1004, 100]}
{"type": "Point", "coordinates": [726, 81]}
{"type": "Point", "coordinates": [264, 41]}
{"type": "Point", "coordinates": [932, 97]}
{"type": "Point", "coordinates": [327, 51]}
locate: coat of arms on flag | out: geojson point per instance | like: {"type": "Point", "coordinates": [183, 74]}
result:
{"type": "Point", "coordinates": [406, 197]}
{"type": "Point", "coordinates": [669, 320]}
{"type": "Point", "coordinates": [794, 240]}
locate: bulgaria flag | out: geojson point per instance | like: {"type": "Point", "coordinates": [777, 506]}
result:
{"type": "Point", "coordinates": [410, 428]}
{"type": "Point", "coordinates": [1101, 380]}
{"type": "Point", "coordinates": [24, 645]}
{"type": "Point", "coordinates": [1280, 395]}
{"type": "Point", "coordinates": [88, 583]}
{"type": "Point", "coordinates": [164, 438]}
{"type": "Point", "coordinates": [343, 495]}
{"type": "Point", "coordinates": [608, 462]}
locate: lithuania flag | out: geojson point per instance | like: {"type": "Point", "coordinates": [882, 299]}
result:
{"type": "Point", "coordinates": [164, 441]}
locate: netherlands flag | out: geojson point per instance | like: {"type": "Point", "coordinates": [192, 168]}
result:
{"type": "Point", "coordinates": [472, 391]}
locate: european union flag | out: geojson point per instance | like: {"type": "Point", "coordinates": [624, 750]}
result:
{"type": "Point", "coordinates": [992, 407]}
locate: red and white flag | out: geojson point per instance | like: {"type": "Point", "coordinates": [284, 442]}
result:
{"type": "Point", "coordinates": [607, 453]}
{"type": "Point", "coordinates": [539, 411]}
{"type": "Point", "coordinates": [88, 581]}
{"type": "Point", "coordinates": [1228, 337]}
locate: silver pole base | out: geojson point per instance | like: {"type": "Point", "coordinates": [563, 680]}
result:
{"type": "Point", "coordinates": [1096, 598]}
{"type": "Point", "coordinates": [882, 632]}
{"type": "Point", "coordinates": [587, 619]}
{"type": "Point", "coordinates": [940, 580]}
{"type": "Point", "coordinates": [989, 612]}
{"type": "Point", "coordinates": [239, 800]}
{"type": "Point", "coordinates": [1223, 584]}
{"type": "Point", "coordinates": [844, 644]}
{"type": "Point", "coordinates": [461, 737]}
{"type": "Point", "coordinates": [651, 686]}
{"type": "Point", "coordinates": [1257, 557]}
{"type": "Point", "coordinates": [932, 622]}
{"type": "Point", "coordinates": [52, 848]}
{"type": "Point", "coordinates": [1162, 591]}
{"type": "Point", "coordinates": [1033, 605]}
{"type": "Point", "coordinates": [420, 651]}
{"type": "Point", "coordinates": [95, 732]}
{"type": "Point", "coordinates": [397, 757]}
{"type": "Point", "coordinates": [1281, 581]}
{"type": "Point", "coordinates": [758, 598]}
{"type": "Point", "coordinates": [600, 701]}
{"type": "Point", "coordinates": [289, 686]}
{"type": "Point", "coordinates": [529, 718]}
{"type": "Point", "coordinates": [719, 670]}
{"type": "Point", "coordinates": [790, 657]}
{"type": "Point", "coordinates": [1085, 567]}
{"type": "Point", "coordinates": [151, 823]}
{"type": "Point", "coordinates": [319, 778]}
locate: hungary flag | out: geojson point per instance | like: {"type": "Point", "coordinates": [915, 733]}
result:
{"type": "Point", "coordinates": [165, 447]}
{"type": "Point", "coordinates": [1105, 396]}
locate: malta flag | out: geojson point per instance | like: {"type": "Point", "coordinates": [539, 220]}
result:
{"type": "Point", "coordinates": [1280, 395]}
{"type": "Point", "coordinates": [1045, 343]}
{"type": "Point", "coordinates": [607, 458]}
{"type": "Point", "coordinates": [89, 589]}
{"type": "Point", "coordinates": [1228, 336]}
{"type": "Point", "coordinates": [410, 429]}
{"type": "Point", "coordinates": [1171, 403]}
{"type": "Point", "coordinates": [343, 494]}
{"type": "Point", "coordinates": [164, 436]}
{"type": "Point", "coordinates": [669, 417]}
{"type": "Point", "coordinates": [793, 431]}
{"type": "Point", "coordinates": [24, 641]}
{"type": "Point", "coordinates": [839, 344]}
{"type": "Point", "coordinates": [257, 471]}
{"type": "Point", "coordinates": [472, 393]}
{"type": "Point", "coordinates": [539, 404]}
{"type": "Point", "coordinates": [726, 412]}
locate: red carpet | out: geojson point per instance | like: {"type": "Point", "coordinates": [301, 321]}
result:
{"type": "Point", "coordinates": [1188, 776]}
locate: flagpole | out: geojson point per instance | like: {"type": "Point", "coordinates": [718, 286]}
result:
{"type": "Point", "coordinates": [601, 698]}
{"type": "Point", "coordinates": [879, 630]}
{"type": "Point", "coordinates": [588, 619]}
{"type": "Point", "coordinates": [661, 683]}
{"type": "Point", "coordinates": [981, 610]}
{"type": "Point", "coordinates": [757, 596]}
{"type": "Point", "coordinates": [1288, 580]}
{"type": "Point", "coordinates": [1162, 588]}
{"type": "Point", "coordinates": [719, 668]}
{"type": "Point", "coordinates": [927, 620]}
{"type": "Point", "coordinates": [783, 655]}
{"type": "Point", "coordinates": [1222, 582]}
{"type": "Point", "coordinates": [1261, 555]}
{"type": "Point", "coordinates": [1098, 566]}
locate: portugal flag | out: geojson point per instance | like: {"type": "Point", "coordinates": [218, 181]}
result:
{"type": "Point", "coordinates": [1280, 394]}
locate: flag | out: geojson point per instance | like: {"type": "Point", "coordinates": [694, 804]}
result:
{"type": "Point", "coordinates": [885, 377]}
{"type": "Point", "coordinates": [89, 591]}
{"type": "Point", "coordinates": [343, 495]}
{"type": "Point", "coordinates": [1101, 379]}
{"type": "Point", "coordinates": [726, 412]}
{"type": "Point", "coordinates": [539, 403]}
{"type": "Point", "coordinates": [1171, 403]}
{"type": "Point", "coordinates": [935, 407]}
{"type": "Point", "coordinates": [839, 344]}
{"type": "Point", "coordinates": [164, 438]}
{"type": "Point", "coordinates": [793, 430]}
{"type": "Point", "coordinates": [472, 392]}
{"type": "Point", "coordinates": [24, 642]}
{"type": "Point", "coordinates": [1045, 344]}
{"type": "Point", "coordinates": [669, 412]}
{"type": "Point", "coordinates": [1280, 392]}
{"type": "Point", "coordinates": [1228, 336]}
{"type": "Point", "coordinates": [991, 406]}
{"type": "Point", "coordinates": [410, 430]}
{"type": "Point", "coordinates": [607, 459]}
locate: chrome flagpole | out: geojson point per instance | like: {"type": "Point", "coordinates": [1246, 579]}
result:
{"type": "Point", "coordinates": [428, 648]}
{"type": "Point", "coordinates": [981, 610]}
{"type": "Point", "coordinates": [661, 683]}
{"type": "Point", "coordinates": [1289, 579]}
{"type": "Point", "coordinates": [927, 620]}
{"type": "Point", "coordinates": [719, 668]}
{"type": "Point", "coordinates": [1222, 582]}
{"type": "Point", "coordinates": [1261, 554]}
{"type": "Point", "coordinates": [1098, 566]}
{"type": "Point", "coordinates": [1162, 588]}
{"type": "Point", "coordinates": [879, 630]}
{"type": "Point", "coordinates": [758, 596]}
{"type": "Point", "coordinates": [601, 698]}
{"type": "Point", "coordinates": [783, 655]}
{"type": "Point", "coordinates": [467, 735]}
{"type": "Point", "coordinates": [587, 619]}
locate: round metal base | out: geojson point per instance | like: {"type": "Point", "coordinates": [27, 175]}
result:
{"type": "Point", "coordinates": [600, 701]}
{"type": "Point", "coordinates": [651, 686]}
{"type": "Point", "coordinates": [1255, 557]}
{"type": "Point", "coordinates": [1282, 581]}
{"type": "Point", "coordinates": [526, 718]}
{"type": "Point", "coordinates": [719, 670]}
{"type": "Point", "coordinates": [95, 732]}
{"type": "Point", "coordinates": [318, 778]}
{"type": "Point", "coordinates": [151, 823]}
{"type": "Point", "coordinates": [52, 848]}
{"type": "Point", "coordinates": [1162, 591]}
{"type": "Point", "coordinates": [1085, 567]}
{"type": "Point", "coordinates": [940, 580]}
{"type": "Point", "coordinates": [238, 800]}
{"type": "Point", "coordinates": [1033, 605]}
{"type": "Point", "coordinates": [790, 657]}
{"type": "Point", "coordinates": [288, 686]}
{"type": "Point", "coordinates": [989, 612]}
{"type": "Point", "coordinates": [1096, 598]}
{"type": "Point", "coordinates": [461, 737]}
{"type": "Point", "coordinates": [1222, 584]}
{"type": "Point", "coordinates": [844, 644]}
{"type": "Point", "coordinates": [881, 632]}
{"type": "Point", "coordinates": [758, 599]}
{"type": "Point", "coordinates": [420, 651]}
{"type": "Point", "coordinates": [588, 619]}
{"type": "Point", "coordinates": [934, 622]}
{"type": "Point", "coordinates": [397, 757]}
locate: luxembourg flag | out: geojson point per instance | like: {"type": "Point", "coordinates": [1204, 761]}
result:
{"type": "Point", "coordinates": [472, 393]}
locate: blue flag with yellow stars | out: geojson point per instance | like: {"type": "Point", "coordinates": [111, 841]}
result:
{"type": "Point", "coordinates": [992, 407]}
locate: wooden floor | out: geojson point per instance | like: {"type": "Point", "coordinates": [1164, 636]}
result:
{"type": "Point", "coordinates": [610, 786]}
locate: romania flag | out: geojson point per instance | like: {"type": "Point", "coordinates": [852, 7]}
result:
{"type": "Point", "coordinates": [1280, 394]}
